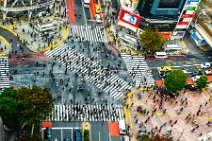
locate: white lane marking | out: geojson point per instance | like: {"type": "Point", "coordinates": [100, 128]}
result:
{"type": "Point", "coordinates": [61, 135]}
{"type": "Point", "coordinates": [85, 18]}
{"type": "Point", "coordinates": [64, 128]}
{"type": "Point", "coordinates": [99, 137]}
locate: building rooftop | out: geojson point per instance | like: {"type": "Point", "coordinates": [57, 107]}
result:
{"type": "Point", "coordinates": [203, 21]}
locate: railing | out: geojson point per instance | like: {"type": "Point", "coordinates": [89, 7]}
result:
{"type": "Point", "coordinates": [17, 9]}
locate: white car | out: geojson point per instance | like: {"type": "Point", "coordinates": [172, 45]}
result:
{"type": "Point", "coordinates": [98, 18]}
{"type": "Point", "coordinates": [185, 71]}
{"type": "Point", "coordinates": [205, 65]}
{"type": "Point", "coordinates": [208, 72]}
{"type": "Point", "coordinates": [196, 77]}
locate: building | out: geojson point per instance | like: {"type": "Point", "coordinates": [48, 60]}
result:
{"type": "Point", "coordinates": [171, 17]}
{"type": "Point", "coordinates": [202, 27]}
{"type": "Point", "coordinates": [24, 8]}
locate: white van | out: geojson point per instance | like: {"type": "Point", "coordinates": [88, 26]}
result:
{"type": "Point", "coordinates": [122, 127]}
{"type": "Point", "coordinates": [160, 55]}
{"type": "Point", "coordinates": [86, 3]}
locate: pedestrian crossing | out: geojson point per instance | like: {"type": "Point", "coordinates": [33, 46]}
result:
{"type": "Point", "coordinates": [139, 69]}
{"type": "Point", "coordinates": [86, 113]}
{"type": "Point", "coordinates": [107, 81]}
{"type": "Point", "coordinates": [4, 73]}
{"type": "Point", "coordinates": [88, 33]}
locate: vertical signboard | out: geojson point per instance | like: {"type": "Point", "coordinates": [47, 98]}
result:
{"type": "Point", "coordinates": [186, 16]}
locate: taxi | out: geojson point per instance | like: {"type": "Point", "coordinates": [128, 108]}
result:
{"type": "Point", "coordinates": [165, 69]}
{"type": "Point", "coordinates": [97, 8]}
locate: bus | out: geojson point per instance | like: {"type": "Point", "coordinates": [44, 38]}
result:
{"type": "Point", "coordinates": [86, 3]}
{"type": "Point", "coordinates": [160, 55]}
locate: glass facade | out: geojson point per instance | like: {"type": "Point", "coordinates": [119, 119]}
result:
{"type": "Point", "coordinates": [169, 3]}
{"type": "Point", "coordinates": [155, 12]}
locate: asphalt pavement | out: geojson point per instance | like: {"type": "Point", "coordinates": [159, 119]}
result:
{"type": "Point", "coordinates": [99, 131]}
{"type": "Point", "coordinates": [11, 37]}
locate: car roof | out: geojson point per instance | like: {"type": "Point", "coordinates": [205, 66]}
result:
{"type": "Point", "coordinates": [97, 15]}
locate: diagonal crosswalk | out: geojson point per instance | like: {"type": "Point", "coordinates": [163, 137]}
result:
{"type": "Point", "coordinates": [86, 113]}
{"type": "Point", "coordinates": [4, 73]}
{"type": "Point", "coordinates": [107, 81]}
{"type": "Point", "coordinates": [139, 69]}
{"type": "Point", "coordinates": [88, 33]}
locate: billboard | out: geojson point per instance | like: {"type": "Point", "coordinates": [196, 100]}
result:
{"type": "Point", "coordinates": [187, 16]}
{"type": "Point", "coordinates": [129, 20]}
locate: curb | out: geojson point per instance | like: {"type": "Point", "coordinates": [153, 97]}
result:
{"type": "Point", "coordinates": [57, 42]}
{"type": "Point", "coordinates": [119, 47]}
{"type": "Point", "coordinates": [9, 29]}
{"type": "Point", "coordinates": [5, 41]}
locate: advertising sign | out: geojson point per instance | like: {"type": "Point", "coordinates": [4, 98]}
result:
{"type": "Point", "coordinates": [187, 16]}
{"type": "Point", "coordinates": [129, 20]}
{"type": "Point", "coordinates": [182, 23]}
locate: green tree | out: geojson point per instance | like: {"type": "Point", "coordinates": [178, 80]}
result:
{"type": "Point", "coordinates": [151, 40]}
{"type": "Point", "coordinates": [158, 137]}
{"type": "Point", "coordinates": [175, 81]}
{"type": "Point", "coordinates": [144, 138]}
{"type": "Point", "coordinates": [9, 108]}
{"type": "Point", "coordinates": [86, 135]}
{"type": "Point", "coordinates": [35, 104]}
{"type": "Point", "coordinates": [202, 81]}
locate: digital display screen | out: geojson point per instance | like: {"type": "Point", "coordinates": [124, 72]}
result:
{"type": "Point", "coordinates": [169, 3]}
{"type": "Point", "coordinates": [129, 18]}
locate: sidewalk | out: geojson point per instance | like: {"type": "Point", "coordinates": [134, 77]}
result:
{"type": "Point", "coordinates": [177, 118]}
{"type": "Point", "coordinates": [37, 43]}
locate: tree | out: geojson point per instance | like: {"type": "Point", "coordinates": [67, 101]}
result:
{"type": "Point", "coordinates": [144, 138]}
{"type": "Point", "coordinates": [86, 135]}
{"type": "Point", "coordinates": [202, 82]}
{"type": "Point", "coordinates": [151, 40]}
{"type": "Point", "coordinates": [9, 108]}
{"type": "Point", "coordinates": [35, 104]}
{"type": "Point", "coordinates": [158, 137]}
{"type": "Point", "coordinates": [175, 81]}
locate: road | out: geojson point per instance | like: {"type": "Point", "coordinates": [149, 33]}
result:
{"type": "Point", "coordinates": [100, 131]}
{"type": "Point", "coordinates": [11, 37]}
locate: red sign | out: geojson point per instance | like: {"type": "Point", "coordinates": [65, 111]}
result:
{"type": "Point", "coordinates": [182, 23]}
{"type": "Point", "coordinates": [165, 35]}
{"type": "Point", "coordinates": [46, 124]}
{"type": "Point", "coordinates": [129, 18]}
{"type": "Point", "coordinates": [187, 15]}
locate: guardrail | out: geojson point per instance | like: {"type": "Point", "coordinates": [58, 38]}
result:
{"type": "Point", "coordinates": [18, 9]}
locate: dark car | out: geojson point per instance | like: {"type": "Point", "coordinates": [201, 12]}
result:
{"type": "Point", "coordinates": [191, 87]}
{"type": "Point", "coordinates": [77, 136]}
{"type": "Point", "coordinates": [196, 72]}
{"type": "Point", "coordinates": [48, 133]}
{"type": "Point", "coordinates": [67, 139]}
{"type": "Point", "coordinates": [163, 74]}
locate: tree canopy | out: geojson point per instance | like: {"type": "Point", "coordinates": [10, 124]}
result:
{"type": "Point", "coordinates": [158, 137]}
{"type": "Point", "coordinates": [151, 40]}
{"type": "Point", "coordinates": [34, 103]}
{"type": "Point", "coordinates": [202, 81]}
{"type": "Point", "coordinates": [9, 107]}
{"type": "Point", "coordinates": [175, 81]}
{"type": "Point", "coordinates": [144, 138]}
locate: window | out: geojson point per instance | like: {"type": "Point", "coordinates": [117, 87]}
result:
{"type": "Point", "coordinates": [169, 3]}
